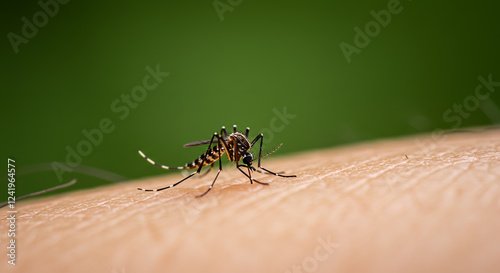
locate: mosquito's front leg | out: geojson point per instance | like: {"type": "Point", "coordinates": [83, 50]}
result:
{"type": "Point", "coordinates": [249, 175]}
{"type": "Point", "coordinates": [261, 137]}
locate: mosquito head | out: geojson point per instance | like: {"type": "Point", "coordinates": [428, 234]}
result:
{"type": "Point", "coordinates": [248, 159]}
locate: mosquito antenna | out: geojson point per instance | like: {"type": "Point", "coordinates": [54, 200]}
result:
{"type": "Point", "coordinates": [270, 152]}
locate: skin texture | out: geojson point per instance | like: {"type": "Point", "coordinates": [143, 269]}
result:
{"type": "Point", "coordinates": [406, 205]}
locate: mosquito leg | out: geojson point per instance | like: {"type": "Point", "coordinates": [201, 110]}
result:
{"type": "Point", "coordinates": [216, 176]}
{"type": "Point", "coordinates": [204, 156]}
{"type": "Point", "coordinates": [261, 137]}
{"type": "Point", "coordinates": [178, 168]}
{"type": "Point", "coordinates": [236, 148]}
{"type": "Point", "coordinates": [234, 129]}
{"type": "Point", "coordinates": [205, 173]}
{"type": "Point", "coordinates": [247, 132]}
{"type": "Point", "coordinates": [223, 132]}
{"type": "Point", "coordinates": [259, 171]}
{"type": "Point", "coordinates": [218, 172]}
{"type": "Point", "coordinates": [224, 144]}
{"type": "Point", "coordinates": [159, 165]}
{"type": "Point", "coordinates": [167, 187]}
{"type": "Point", "coordinates": [249, 177]}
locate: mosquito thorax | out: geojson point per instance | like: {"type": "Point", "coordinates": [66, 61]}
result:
{"type": "Point", "coordinates": [243, 143]}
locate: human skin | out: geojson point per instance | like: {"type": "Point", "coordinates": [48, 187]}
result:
{"type": "Point", "coordinates": [417, 204]}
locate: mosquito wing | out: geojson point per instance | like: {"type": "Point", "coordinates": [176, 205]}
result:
{"type": "Point", "coordinates": [202, 142]}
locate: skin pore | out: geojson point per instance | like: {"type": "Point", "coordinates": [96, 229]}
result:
{"type": "Point", "coordinates": [417, 204]}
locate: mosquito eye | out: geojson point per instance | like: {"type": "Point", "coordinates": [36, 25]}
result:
{"type": "Point", "coordinates": [248, 159]}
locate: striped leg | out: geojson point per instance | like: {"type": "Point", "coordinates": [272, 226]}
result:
{"type": "Point", "coordinates": [177, 168]}
{"type": "Point", "coordinates": [159, 165]}
{"type": "Point", "coordinates": [167, 187]}
{"type": "Point", "coordinates": [221, 140]}
{"type": "Point", "coordinates": [164, 167]}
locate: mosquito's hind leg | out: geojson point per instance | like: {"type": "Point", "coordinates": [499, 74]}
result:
{"type": "Point", "coordinates": [159, 165]}
{"type": "Point", "coordinates": [205, 173]}
{"type": "Point", "coordinates": [185, 178]}
{"type": "Point", "coordinates": [211, 166]}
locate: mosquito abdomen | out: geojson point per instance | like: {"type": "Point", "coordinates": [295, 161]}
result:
{"type": "Point", "coordinates": [210, 156]}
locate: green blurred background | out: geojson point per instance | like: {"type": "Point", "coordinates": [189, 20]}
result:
{"type": "Point", "coordinates": [232, 68]}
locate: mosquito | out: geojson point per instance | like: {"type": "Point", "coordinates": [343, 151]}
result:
{"type": "Point", "coordinates": [237, 148]}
